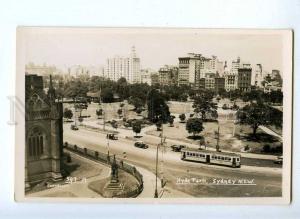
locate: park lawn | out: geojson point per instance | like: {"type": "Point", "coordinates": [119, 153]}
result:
{"type": "Point", "coordinates": [227, 141]}
{"type": "Point", "coordinates": [109, 108]}
{"type": "Point", "coordinates": [180, 107]}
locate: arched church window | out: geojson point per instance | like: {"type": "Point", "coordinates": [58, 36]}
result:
{"type": "Point", "coordinates": [36, 143]}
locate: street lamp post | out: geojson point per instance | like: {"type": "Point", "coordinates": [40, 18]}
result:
{"type": "Point", "coordinates": [156, 193]}
{"type": "Point", "coordinates": [218, 136]}
{"type": "Point", "coordinates": [108, 158]}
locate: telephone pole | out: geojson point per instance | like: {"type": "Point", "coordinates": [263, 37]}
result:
{"type": "Point", "coordinates": [218, 137]}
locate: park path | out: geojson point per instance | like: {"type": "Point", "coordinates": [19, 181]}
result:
{"type": "Point", "coordinates": [270, 132]}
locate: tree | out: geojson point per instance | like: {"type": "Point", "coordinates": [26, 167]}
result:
{"type": "Point", "coordinates": [204, 104]}
{"type": "Point", "coordinates": [137, 127]}
{"type": "Point", "coordinates": [158, 110]}
{"type": "Point", "coordinates": [138, 111]}
{"type": "Point", "coordinates": [99, 112]}
{"type": "Point", "coordinates": [194, 125]}
{"type": "Point", "coordinates": [171, 121]}
{"type": "Point", "coordinates": [276, 96]}
{"type": "Point", "coordinates": [114, 124]}
{"type": "Point", "coordinates": [158, 125]}
{"type": "Point", "coordinates": [75, 89]}
{"type": "Point", "coordinates": [182, 117]}
{"type": "Point", "coordinates": [68, 114]}
{"type": "Point", "coordinates": [254, 115]}
{"type": "Point", "coordinates": [136, 102]}
{"type": "Point", "coordinates": [120, 112]}
{"type": "Point", "coordinates": [107, 95]}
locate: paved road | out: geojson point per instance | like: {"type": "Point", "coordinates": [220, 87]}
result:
{"type": "Point", "coordinates": [174, 167]}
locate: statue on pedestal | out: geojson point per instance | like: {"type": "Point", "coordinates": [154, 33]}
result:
{"type": "Point", "coordinates": [114, 178]}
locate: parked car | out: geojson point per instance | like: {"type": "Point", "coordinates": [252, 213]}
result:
{"type": "Point", "coordinates": [74, 127]}
{"type": "Point", "coordinates": [112, 136]}
{"type": "Point", "coordinates": [278, 160]}
{"type": "Point", "coordinates": [225, 107]}
{"type": "Point", "coordinates": [177, 148]}
{"type": "Point", "coordinates": [140, 144]}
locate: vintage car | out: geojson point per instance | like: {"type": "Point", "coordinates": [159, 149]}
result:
{"type": "Point", "coordinates": [112, 136]}
{"type": "Point", "coordinates": [74, 127]}
{"type": "Point", "coordinates": [140, 144]}
{"type": "Point", "coordinates": [177, 148]}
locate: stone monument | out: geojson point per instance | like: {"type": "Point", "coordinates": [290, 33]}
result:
{"type": "Point", "coordinates": [113, 187]}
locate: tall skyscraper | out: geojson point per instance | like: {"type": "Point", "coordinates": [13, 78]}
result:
{"type": "Point", "coordinates": [127, 67]}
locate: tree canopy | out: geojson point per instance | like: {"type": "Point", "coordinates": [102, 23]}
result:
{"type": "Point", "coordinates": [136, 127]}
{"type": "Point", "coordinates": [203, 103]}
{"type": "Point", "coordinates": [194, 125]}
{"type": "Point", "coordinates": [254, 115]}
{"type": "Point", "coordinates": [158, 110]}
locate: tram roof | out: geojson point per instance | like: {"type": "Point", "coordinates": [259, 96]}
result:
{"type": "Point", "coordinates": [210, 152]}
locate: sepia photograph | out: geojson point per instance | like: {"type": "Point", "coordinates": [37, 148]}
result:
{"type": "Point", "coordinates": [171, 115]}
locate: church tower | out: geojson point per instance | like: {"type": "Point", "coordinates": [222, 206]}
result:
{"type": "Point", "coordinates": [44, 133]}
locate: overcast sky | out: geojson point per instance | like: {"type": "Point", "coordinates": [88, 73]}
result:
{"type": "Point", "coordinates": [65, 47]}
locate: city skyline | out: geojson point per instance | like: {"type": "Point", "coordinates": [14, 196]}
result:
{"type": "Point", "coordinates": [65, 47]}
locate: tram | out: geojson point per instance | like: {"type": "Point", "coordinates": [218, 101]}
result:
{"type": "Point", "coordinates": [211, 157]}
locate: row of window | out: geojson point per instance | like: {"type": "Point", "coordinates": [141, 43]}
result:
{"type": "Point", "coordinates": [195, 154]}
{"type": "Point", "coordinates": [221, 158]}
{"type": "Point", "coordinates": [213, 156]}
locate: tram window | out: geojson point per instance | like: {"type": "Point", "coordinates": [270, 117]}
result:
{"type": "Point", "coordinates": [222, 158]}
{"type": "Point", "coordinates": [237, 159]}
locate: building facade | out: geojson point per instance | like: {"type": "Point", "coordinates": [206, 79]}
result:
{"type": "Point", "coordinates": [43, 131]}
{"type": "Point", "coordinates": [219, 84]}
{"type": "Point", "coordinates": [244, 79]}
{"type": "Point", "coordinates": [231, 82]}
{"type": "Point", "coordinates": [258, 78]}
{"type": "Point", "coordinates": [194, 67]}
{"type": "Point", "coordinates": [154, 79]}
{"type": "Point", "coordinates": [126, 67]}
{"type": "Point", "coordinates": [189, 68]}
{"type": "Point", "coordinates": [168, 75]}
{"type": "Point", "coordinates": [235, 65]}
{"type": "Point", "coordinates": [146, 76]}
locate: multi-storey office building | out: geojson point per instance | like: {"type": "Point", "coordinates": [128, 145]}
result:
{"type": "Point", "coordinates": [195, 66]}
{"type": "Point", "coordinates": [231, 82]}
{"type": "Point", "coordinates": [258, 78]}
{"type": "Point", "coordinates": [244, 79]}
{"type": "Point", "coordinates": [127, 67]}
{"type": "Point", "coordinates": [189, 68]}
{"type": "Point", "coordinates": [168, 75]}
{"type": "Point", "coordinates": [219, 84]}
